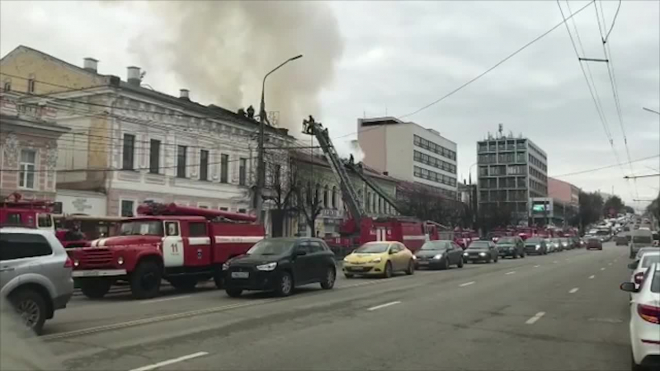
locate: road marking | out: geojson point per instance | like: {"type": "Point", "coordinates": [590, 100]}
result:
{"type": "Point", "coordinates": [574, 290]}
{"type": "Point", "coordinates": [170, 361]}
{"type": "Point", "coordinates": [536, 266]}
{"type": "Point", "coordinates": [602, 269]}
{"type": "Point", "coordinates": [536, 317]}
{"type": "Point", "coordinates": [512, 272]}
{"type": "Point", "coordinates": [384, 305]}
{"type": "Point", "coordinates": [164, 299]}
{"type": "Point", "coordinates": [592, 277]}
{"type": "Point", "coordinates": [555, 262]}
{"type": "Point", "coordinates": [467, 284]}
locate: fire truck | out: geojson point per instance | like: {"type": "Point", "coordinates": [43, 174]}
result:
{"type": "Point", "coordinates": [179, 244]}
{"type": "Point", "coordinates": [360, 228]}
{"type": "Point", "coordinates": [16, 212]}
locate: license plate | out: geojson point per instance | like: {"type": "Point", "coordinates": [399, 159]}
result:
{"type": "Point", "coordinates": [421, 262]}
{"type": "Point", "coordinates": [89, 273]}
{"type": "Point", "coordinates": [240, 274]}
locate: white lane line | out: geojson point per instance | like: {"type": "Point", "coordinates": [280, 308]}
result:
{"type": "Point", "coordinates": [467, 284]}
{"type": "Point", "coordinates": [574, 290]}
{"type": "Point", "coordinates": [164, 299]}
{"type": "Point", "coordinates": [170, 361]}
{"type": "Point", "coordinates": [536, 266]}
{"type": "Point", "coordinates": [555, 262]}
{"type": "Point", "coordinates": [512, 272]}
{"type": "Point", "coordinates": [384, 305]}
{"type": "Point", "coordinates": [592, 277]}
{"type": "Point", "coordinates": [602, 269]}
{"type": "Point", "coordinates": [535, 318]}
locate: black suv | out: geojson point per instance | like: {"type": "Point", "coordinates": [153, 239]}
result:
{"type": "Point", "coordinates": [281, 264]}
{"type": "Point", "coordinates": [512, 246]}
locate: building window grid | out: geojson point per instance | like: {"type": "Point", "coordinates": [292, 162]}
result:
{"type": "Point", "coordinates": [433, 176]}
{"type": "Point", "coordinates": [436, 148]}
{"type": "Point", "coordinates": [434, 161]}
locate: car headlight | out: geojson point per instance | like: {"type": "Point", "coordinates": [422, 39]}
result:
{"type": "Point", "coordinates": [465, 254]}
{"type": "Point", "coordinates": [225, 266]}
{"type": "Point", "coordinates": [438, 257]}
{"type": "Point", "coordinates": [538, 247]}
{"type": "Point", "coordinates": [376, 260]}
{"type": "Point", "coordinates": [414, 257]}
{"type": "Point", "coordinates": [482, 254]}
{"type": "Point", "coordinates": [120, 260]}
{"type": "Point", "coordinates": [267, 267]}
{"type": "Point", "coordinates": [346, 260]}
{"type": "Point", "coordinates": [76, 263]}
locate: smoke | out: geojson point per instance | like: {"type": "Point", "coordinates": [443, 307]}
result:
{"type": "Point", "coordinates": [221, 50]}
{"type": "Point", "coordinates": [346, 148]}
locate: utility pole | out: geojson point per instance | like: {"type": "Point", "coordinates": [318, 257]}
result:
{"type": "Point", "coordinates": [261, 166]}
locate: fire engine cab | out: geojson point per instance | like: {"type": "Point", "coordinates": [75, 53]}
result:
{"type": "Point", "coordinates": [16, 212]}
{"type": "Point", "coordinates": [182, 245]}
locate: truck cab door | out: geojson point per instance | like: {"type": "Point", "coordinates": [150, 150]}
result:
{"type": "Point", "coordinates": [173, 246]}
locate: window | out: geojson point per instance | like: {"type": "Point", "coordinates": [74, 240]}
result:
{"type": "Point", "coordinates": [224, 168]}
{"type": "Point", "coordinates": [127, 207]}
{"type": "Point", "coordinates": [129, 152]}
{"type": "Point", "coordinates": [334, 197]}
{"type": "Point", "coordinates": [27, 167]}
{"type": "Point", "coordinates": [181, 159]}
{"type": "Point", "coordinates": [242, 211]}
{"type": "Point", "coordinates": [242, 171]}
{"type": "Point", "coordinates": [23, 245]}
{"type": "Point", "coordinates": [314, 247]}
{"type": "Point", "coordinates": [154, 156]}
{"type": "Point", "coordinates": [203, 165]}
{"type": "Point", "coordinates": [222, 208]}
{"type": "Point", "coordinates": [197, 229]}
{"type": "Point", "coordinates": [31, 85]}
{"type": "Point", "coordinates": [7, 86]}
{"type": "Point", "coordinates": [44, 220]}
{"type": "Point", "coordinates": [171, 228]}
{"type": "Point", "coordinates": [326, 197]}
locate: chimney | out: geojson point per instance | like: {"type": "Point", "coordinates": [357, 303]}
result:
{"type": "Point", "coordinates": [134, 76]}
{"type": "Point", "coordinates": [90, 64]}
{"type": "Point", "coordinates": [184, 94]}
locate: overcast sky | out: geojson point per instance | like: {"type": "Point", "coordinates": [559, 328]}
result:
{"type": "Point", "coordinates": [393, 58]}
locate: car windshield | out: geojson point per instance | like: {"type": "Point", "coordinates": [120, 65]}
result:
{"type": "Point", "coordinates": [602, 233]}
{"type": "Point", "coordinates": [141, 228]}
{"type": "Point", "coordinates": [479, 245]}
{"type": "Point", "coordinates": [534, 240]}
{"type": "Point", "coordinates": [647, 260]}
{"type": "Point", "coordinates": [506, 241]}
{"type": "Point", "coordinates": [642, 240]}
{"type": "Point", "coordinates": [271, 247]}
{"type": "Point", "coordinates": [436, 245]}
{"type": "Point", "coordinates": [372, 248]}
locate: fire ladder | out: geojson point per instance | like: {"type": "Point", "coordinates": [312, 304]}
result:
{"type": "Point", "coordinates": [349, 194]}
{"type": "Point", "coordinates": [371, 184]}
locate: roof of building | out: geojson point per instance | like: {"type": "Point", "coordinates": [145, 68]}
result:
{"type": "Point", "coordinates": [390, 120]}
{"type": "Point", "coordinates": [322, 161]}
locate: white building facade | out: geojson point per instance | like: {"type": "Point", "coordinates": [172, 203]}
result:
{"type": "Point", "coordinates": [410, 152]}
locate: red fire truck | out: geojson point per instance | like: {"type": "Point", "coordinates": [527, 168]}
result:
{"type": "Point", "coordinates": [182, 245]}
{"type": "Point", "coordinates": [360, 227]}
{"type": "Point", "coordinates": [16, 212]}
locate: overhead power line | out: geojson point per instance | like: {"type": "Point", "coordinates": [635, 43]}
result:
{"type": "Point", "coordinates": [601, 168]}
{"type": "Point", "coordinates": [495, 66]}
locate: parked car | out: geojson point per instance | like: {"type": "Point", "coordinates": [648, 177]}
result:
{"type": "Point", "coordinates": [478, 251]}
{"type": "Point", "coordinates": [439, 254]}
{"type": "Point", "coordinates": [552, 247]}
{"type": "Point", "coordinates": [621, 240]}
{"type": "Point", "coordinates": [644, 250]}
{"type": "Point", "coordinates": [512, 246]}
{"type": "Point", "coordinates": [566, 244]}
{"type": "Point", "coordinates": [382, 258]}
{"type": "Point", "coordinates": [640, 266]}
{"type": "Point", "coordinates": [640, 238]}
{"type": "Point", "coordinates": [656, 238]}
{"type": "Point", "coordinates": [645, 320]}
{"type": "Point", "coordinates": [35, 274]}
{"type": "Point", "coordinates": [536, 245]}
{"type": "Point", "coordinates": [594, 243]}
{"type": "Point", "coordinates": [280, 265]}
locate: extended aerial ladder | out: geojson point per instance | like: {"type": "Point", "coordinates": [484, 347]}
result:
{"type": "Point", "coordinates": [349, 194]}
{"type": "Point", "coordinates": [357, 169]}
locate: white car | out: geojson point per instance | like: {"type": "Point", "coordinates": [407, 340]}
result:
{"type": "Point", "coordinates": [645, 320]}
{"type": "Point", "coordinates": [640, 266]}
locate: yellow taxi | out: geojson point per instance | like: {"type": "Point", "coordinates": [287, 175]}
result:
{"type": "Point", "coordinates": [379, 258]}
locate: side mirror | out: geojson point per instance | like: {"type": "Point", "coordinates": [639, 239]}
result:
{"type": "Point", "coordinates": [633, 265]}
{"type": "Point", "coordinates": [628, 287]}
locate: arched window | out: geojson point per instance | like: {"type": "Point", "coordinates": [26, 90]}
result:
{"type": "Point", "coordinates": [334, 197]}
{"type": "Point", "coordinates": [326, 197]}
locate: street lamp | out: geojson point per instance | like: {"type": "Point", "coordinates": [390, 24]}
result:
{"type": "Point", "coordinates": [261, 173]}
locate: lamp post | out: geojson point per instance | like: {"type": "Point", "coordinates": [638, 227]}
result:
{"type": "Point", "coordinates": [261, 166]}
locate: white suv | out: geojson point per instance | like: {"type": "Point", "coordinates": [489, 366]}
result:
{"type": "Point", "coordinates": [645, 320]}
{"type": "Point", "coordinates": [35, 274]}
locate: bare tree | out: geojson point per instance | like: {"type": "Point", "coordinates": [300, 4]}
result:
{"type": "Point", "coordinates": [281, 189]}
{"type": "Point", "coordinates": [309, 181]}
{"type": "Point", "coordinates": [427, 203]}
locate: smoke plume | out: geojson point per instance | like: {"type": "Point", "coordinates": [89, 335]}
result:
{"type": "Point", "coordinates": [221, 50]}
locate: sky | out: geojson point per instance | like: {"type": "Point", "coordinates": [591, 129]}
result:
{"type": "Point", "coordinates": [366, 59]}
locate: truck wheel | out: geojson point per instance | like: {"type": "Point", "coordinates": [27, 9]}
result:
{"type": "Point", "coordinates": [145, 280]}
{"type": "Point", "coordinates": [95, 288]}
{"type": "Point", "coordinates": [234, 293]}
{"type": "Point", "coordinates": [31, 306]}
{"type": "Point", "coordinates": [184, 283]}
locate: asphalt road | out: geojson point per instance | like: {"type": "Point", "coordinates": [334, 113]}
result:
{"type": "Point", "coordinates": [562, 311]}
